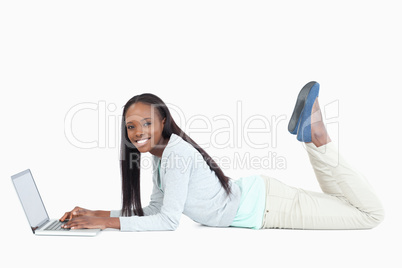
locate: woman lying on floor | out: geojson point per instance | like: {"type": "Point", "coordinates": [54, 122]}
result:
{"type": "Point", "coordinates": [206, 195]}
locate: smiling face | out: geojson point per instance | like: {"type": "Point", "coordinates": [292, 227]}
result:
{"type": "Point", "coordinates": [144, 128]}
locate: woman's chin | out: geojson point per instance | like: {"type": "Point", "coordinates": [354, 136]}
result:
{"type": "Point", "coordinates": [143, 150]}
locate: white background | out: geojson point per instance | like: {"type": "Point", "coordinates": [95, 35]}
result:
{"type": "Point", "coordinates": [204, 57]}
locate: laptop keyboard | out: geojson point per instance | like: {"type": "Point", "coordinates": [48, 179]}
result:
{"type": "Point", "coordinates": [56, 226]}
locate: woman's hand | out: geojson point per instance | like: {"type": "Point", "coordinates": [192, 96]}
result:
{"type": "Point", "coordinates": [80, 218]}
{"type": "Point", "coordinates": [77, 212]}
{"type": "Point", "coordinates": [89, 222]}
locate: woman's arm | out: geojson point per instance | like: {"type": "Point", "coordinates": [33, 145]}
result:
{"type": "Point", "coordinates": [102, 213]}
{"type": "Point", "coordinates": [168, 205]}
{"type": "Point", "coordinates": [80, 212]}
{"type": "Point", "coordinates": [79, 218]}
{"type": "Point", "coordinates": [93, 223]}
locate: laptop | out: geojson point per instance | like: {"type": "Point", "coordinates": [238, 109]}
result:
{"type": "Point", "coordinates": [36, 212]}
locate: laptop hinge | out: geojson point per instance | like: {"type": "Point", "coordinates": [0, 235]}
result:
{"type": "Point", "coordinates": [40, 225]}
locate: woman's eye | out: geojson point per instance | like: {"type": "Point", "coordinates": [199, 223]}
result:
{"type": "Point", "coordinates": [145, 125]}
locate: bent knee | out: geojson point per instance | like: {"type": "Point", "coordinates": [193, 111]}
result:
{"type": "Point", "coordinates": [375, 218]}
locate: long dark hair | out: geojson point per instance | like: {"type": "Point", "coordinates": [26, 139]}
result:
{"type": "Point", "coordinates": [130, 157]}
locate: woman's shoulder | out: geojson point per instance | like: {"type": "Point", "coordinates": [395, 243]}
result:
{"type": "Point", "coordinates": [177, 143]}
{"type": "Point", "coordinates": [179, 154]}
{"type": "Point", "coordinates": [179, 147]}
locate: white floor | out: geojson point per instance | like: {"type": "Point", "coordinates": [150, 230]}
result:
{"type": "Point", "coordinates": [197, 246]}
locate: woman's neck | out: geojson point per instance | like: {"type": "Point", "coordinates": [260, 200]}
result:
{"type": "Point", "coordinates": [160, 147]}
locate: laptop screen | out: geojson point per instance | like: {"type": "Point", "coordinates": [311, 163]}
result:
{"type": "Point", "coordinates": [30, 198]}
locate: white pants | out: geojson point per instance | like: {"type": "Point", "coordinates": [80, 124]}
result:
{"type": "Point", "coordinates": [348, 201]}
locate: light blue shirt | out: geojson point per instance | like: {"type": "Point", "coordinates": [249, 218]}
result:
{"type": "Point", "coordinates": [185, 185]}
{"type": "Point", "coordinates": [252, 203]}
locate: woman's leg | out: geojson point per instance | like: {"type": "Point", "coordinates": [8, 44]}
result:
{"type": "Point", "coordinates": [294, 208]}
{"type": "Point", "coordinates": [335, 176]}
{"type": "Point", "coordinates": [332, 170]}
{"type": "Point", "coordinates": [320, 137]}
{"type": "Point", "coordinates": [348, 201]}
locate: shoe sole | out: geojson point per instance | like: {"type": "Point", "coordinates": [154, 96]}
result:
{"type": "Point", "coordinates": [300, 102]}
